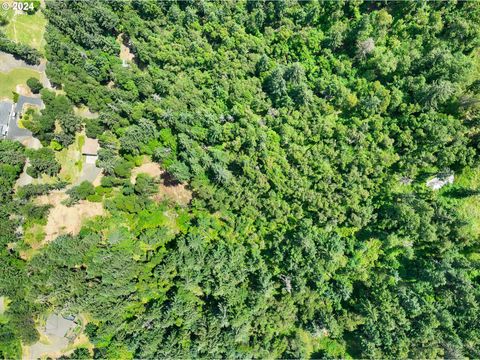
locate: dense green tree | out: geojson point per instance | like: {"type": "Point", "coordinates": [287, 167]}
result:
{"type": "Point", "coordinates": [42, 161]}
{"type": "Point", "coordinates": [292, 123]}
{"type": "Point", "coordinates": [35, 85]}
{"type": "Point", "coordinates": [80, 192]}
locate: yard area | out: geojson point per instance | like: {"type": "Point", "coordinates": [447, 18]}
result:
{"type": "Point", "coordinates": [9, 81]}
{"type": "Point", "coordinates": [24, 28]}
{"type": "Point", "coordinates": [71, 159]}
{"type": "Point", "coordinates": [464, 194]}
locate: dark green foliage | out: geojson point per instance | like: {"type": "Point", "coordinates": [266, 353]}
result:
{"type": "Point", "coordinates": [80, 192]}
{"type": "Point", "coordinates": [93, 128]}
{"type": "Point", "coordinates": [17, 322]}
{"type": "Point", "coordinates": [10, 346]}
{"type": "Point", "coordinates": [28, 191]}
{"type": "Point", "coordinates": [42, 161]}
{"type": "Point", "coordinates": [35, 85]}
{"type": "Point", "coordinates": [145, 185]}
{"type": "Point", "coordinates": [77, 354]}
{"type": "Point", "coordinates": [36, 6]}
{"type": "Point", "coordinates": [58, 112]}
{"type": "Point", "coordinates": [3, 19]}
{"type": "Point", "coordinates": [12, 160]}
{"type": "Point", "coordinates": [292, 123]}
{"type": "Point", "coordinates": [12, 153]}
{"type": "Point", "coordinates": [123, 168]}
{"type": "Point", "coordinates": [29, 55]}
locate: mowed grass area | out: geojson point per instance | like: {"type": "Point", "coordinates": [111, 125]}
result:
{"type": "Point", "coordinates": [71, 160]}
{"type": "Point", "coordinates": [25, 29]}
{"type": "Point", "coordinates": [9, 81]}
{"type": "Point", "coordinates": [464, 194]}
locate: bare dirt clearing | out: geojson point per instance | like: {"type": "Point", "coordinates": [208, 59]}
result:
{"type": "Point", "coordinates": [168, 189]}
{"type": "Point", "coordinates": [125, 53]}
{"type": "Point", "coordinates": [149, 168]}
{"type": "Point", "coordinates": [66, 220]}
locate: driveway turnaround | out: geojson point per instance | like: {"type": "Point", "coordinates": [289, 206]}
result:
{"type": "Point", "coordinates": [14, 131]}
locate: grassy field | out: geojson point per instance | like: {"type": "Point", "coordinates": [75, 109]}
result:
{"type": "Point", "coordinates": [464, 194]}
{"type": "Point", "coordinates": [71, 160]}
{"type": "Point", "coordinates": [25, 29]}
{"type": "Point", "coordinates": [8, 81]}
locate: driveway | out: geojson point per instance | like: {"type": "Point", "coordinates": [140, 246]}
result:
{"type": "Point", "coordinates": [5, 109]}
{"type": "Point", "coordinates": [89, 173]}
{"type": "Point", "coordinates": [14, 131]}
{"type": "Point", "coordinates": [9, 63]}
{"type": "Point", "coordinates": [22, 100]}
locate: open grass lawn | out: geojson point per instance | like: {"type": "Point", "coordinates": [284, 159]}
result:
{"type": "Point", "coordinates": [8, 81]}
{"type": "Point", "coordinates": [71, 160]}
{"type": "Point", "coordinates": [465, 195]}
{"type": "Point", "coordinates": [26, 29]}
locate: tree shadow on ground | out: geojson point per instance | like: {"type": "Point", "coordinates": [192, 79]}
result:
{"type": "Point", "coordinates": [169, 180]}
{"type": "Point", "coordinates": [460, 193]}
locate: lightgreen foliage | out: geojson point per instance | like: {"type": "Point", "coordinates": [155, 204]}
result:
{"type": "Point", "coordinates": [288, 125]}
{"type": "Point", "coordinates": [145, 185]}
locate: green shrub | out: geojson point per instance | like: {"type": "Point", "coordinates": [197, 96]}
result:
{"type": "Point", "coordinates": [95, 198]}
{"type": "Point", "coordinates": [80, 192]}
{"type": "Point", "coordinates": [35, 85]}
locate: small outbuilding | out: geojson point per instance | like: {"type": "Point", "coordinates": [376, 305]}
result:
{"type": "Point", "coordinates": [90, 150]}
{"type": "Point", "coordinates": [438, 182]}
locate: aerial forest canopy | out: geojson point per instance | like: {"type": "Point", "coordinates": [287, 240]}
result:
{"type": "Point", "coordinates": [305, 131]}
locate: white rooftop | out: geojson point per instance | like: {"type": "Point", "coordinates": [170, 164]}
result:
{"type": "Point", "coordinates": [437, 183]}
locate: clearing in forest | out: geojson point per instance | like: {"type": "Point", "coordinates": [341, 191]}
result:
{"type": "Point", "coordinates": [66, 220]}
{"type": "Point", "coordinates": [168, 189]}
{"type": "Point", "coordinates": [465, 196]}
{"type": "Point", "coordinates": [125, 54]}
{"type": "Point", "coordinates": [24, 28]}
{"type": "Point", "coordinates": [58, 336]}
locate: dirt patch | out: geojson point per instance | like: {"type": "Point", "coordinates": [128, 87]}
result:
{"type": "Point", "coordinates": [125, 52]}
{"type": "Point", "coordinates": [32, 143]}
{"type": "Point", "coordinates": [66, 220]}
{"type": "Point", "coordinates": [149, 168]}
{"type": "Point", "coordinates": [98, 180]}
{"type": "Point", "coordinates": [168, 189]}
{"type": "Point", "coordinates": [24, 90]}
{"type": "Point", "coordinates": [178, 193]}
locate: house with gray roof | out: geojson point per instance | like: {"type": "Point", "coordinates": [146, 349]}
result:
{"type": "Point", "coordinates": [5, 113]}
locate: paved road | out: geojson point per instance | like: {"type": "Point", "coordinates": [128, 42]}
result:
{"type": "Point", "coordinates": [22, 100]}
{"type": "Point", "coordinates": [15, 132]}
{"type": "Point", "coordinates": [9, 63]}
